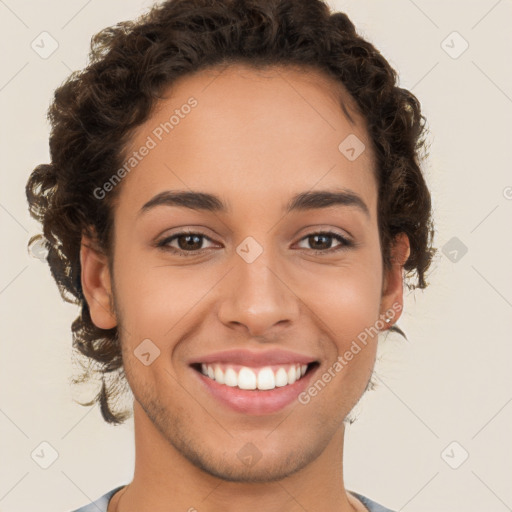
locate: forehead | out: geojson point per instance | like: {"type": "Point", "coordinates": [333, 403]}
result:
{"type": "Point", "coordinates": [252, 133]}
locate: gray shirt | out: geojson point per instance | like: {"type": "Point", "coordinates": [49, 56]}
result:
{"type": "Point", "coordinates": [100, 505]}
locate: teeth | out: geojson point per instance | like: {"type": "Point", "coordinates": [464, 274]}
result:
{"type": "Point", "coordinates": [246, 379]}
{"type": "Point", "coordinates": [219, 375]}
{"type": "Point", "coordinates": [231, 378]}
{"type": "Point", "coordinates": [281, 377]}
{"type": "Point", "coordinates": [250, 378]}
{"type": "Point", "coordinates": [266, 378]}
{"type": "Point", "coordinates": [292, 375]}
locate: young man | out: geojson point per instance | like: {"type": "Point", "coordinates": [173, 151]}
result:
{"type": "Point", "coordinates": [245, 218]}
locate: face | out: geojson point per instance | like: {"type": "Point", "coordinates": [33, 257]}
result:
{"type": "Point", "coordinates": [250, 280]}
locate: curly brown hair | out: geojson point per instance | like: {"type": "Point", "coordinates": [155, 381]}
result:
{"type": "Point", "coordinates": [96, 110]}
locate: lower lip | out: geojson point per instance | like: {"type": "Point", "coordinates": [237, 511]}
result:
{"type": "Point", "coordinates": [255, 401]}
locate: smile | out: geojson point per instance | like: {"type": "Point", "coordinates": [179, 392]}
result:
{"type": "Point", "coordinates": [264, 378]}
{"type": "Point", "coordinates": [255, 390]}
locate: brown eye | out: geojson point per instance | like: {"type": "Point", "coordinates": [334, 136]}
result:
{"type": "Point", "coordinates": [322, 241]}
{"type": "Point", "coordinates": [187, 243]}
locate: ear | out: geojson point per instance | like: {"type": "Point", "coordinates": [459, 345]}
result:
{"type": "Point", "coordinates": [96, 284]}
{"type": "Point", "coordinates": [392, 289]}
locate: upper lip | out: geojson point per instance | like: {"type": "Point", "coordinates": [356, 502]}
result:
{"type": "Point", "coordinates": [254, 358]}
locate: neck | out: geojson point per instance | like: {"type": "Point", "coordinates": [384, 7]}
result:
{"type": "Point", "coordinates": [164, 480]}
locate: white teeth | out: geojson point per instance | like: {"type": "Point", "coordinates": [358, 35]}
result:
{"type": "Point", "coordinates": [246, 379]}
{"type": "Point", "coordinates": [219, 374]}
{"type": "Point", "coordinates": [292, 375]}
{"type": "Point", "coordinates": [231, 378]}
{"type": "Point", "coordinates": [266, 378]}
{"type": "Point", "coordinates": [251, 378]}
{"type": "Point", "coordinates": [281, 377]}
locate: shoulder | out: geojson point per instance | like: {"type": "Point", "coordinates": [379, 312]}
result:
{"type": "Point", "coordinates": [101, 504]}
{"type": "Point", "coordinates": [371, 505]}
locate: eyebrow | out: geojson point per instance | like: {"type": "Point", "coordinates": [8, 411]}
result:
{"type": "Point", "coordinates": [311, 200]}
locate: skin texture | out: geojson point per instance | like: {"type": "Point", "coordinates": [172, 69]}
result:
{"type": "Point", "coordinates": [255, 139]}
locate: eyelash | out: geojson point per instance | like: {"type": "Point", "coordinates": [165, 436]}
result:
{"type": "Point", "coordinates": [163, 244]}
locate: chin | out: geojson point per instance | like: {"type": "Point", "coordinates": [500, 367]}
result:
{"type": "Point", "coordinates": [261, 469]}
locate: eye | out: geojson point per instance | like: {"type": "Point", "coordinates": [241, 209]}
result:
{"type": "Point", "coordinates": [324, 238]}
{"type": "Point", "coordinates": [187, 242]}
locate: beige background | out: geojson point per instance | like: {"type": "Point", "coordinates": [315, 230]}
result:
{"type": "Point", "coordinates": [452, 382]}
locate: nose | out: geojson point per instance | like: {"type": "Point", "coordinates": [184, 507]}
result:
{"type": "Point", "coordinates": [256, 297]}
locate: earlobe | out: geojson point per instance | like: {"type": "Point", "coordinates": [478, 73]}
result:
{"type": "Point", "coordinates": [392, 291]}
{"type": "Point", "coordinates": [96, 284]}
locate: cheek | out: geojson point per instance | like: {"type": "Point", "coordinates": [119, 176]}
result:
{"type": "Point", "coordinates": [350, 316]}
{"type": "Point", "coordinates": [154, 300]}
{"type": "Point", "coordinates": [345, 298]}
{"type": "Point", "coordinates": [347, 310]}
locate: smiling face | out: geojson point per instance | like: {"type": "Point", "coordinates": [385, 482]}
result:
{"type": "Point", "coordinates": [280, 264]}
